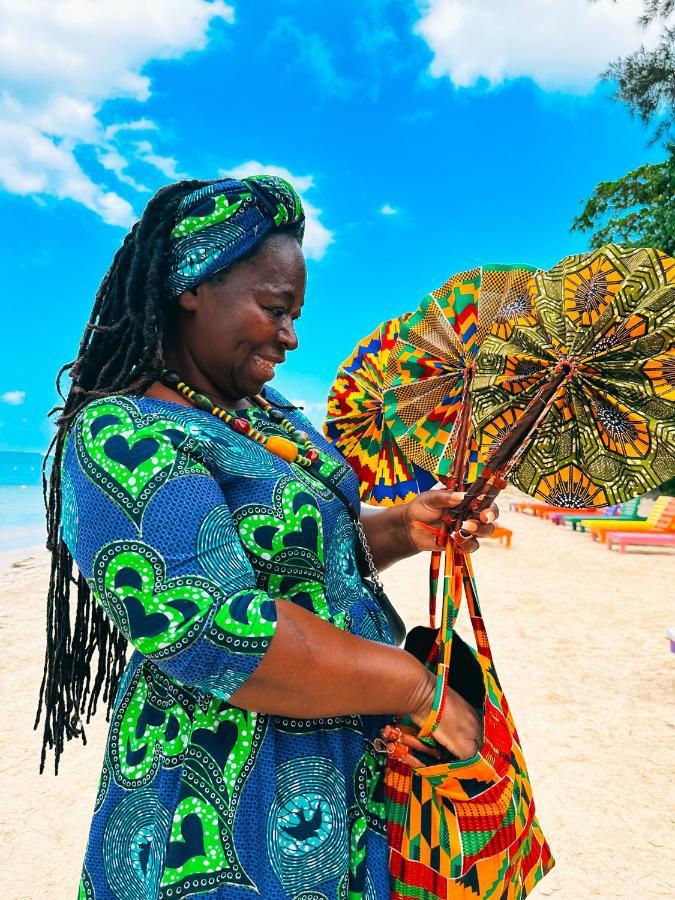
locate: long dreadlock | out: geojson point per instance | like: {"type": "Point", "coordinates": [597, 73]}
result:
{"type": "Point", "coordinates": [120, 352]}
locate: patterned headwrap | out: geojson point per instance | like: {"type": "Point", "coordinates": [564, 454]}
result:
{"type": "Point", "coordinates": [218, 224]}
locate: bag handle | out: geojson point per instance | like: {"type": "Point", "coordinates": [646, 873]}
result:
{"type": "Point", "coordinates": [458, 580]}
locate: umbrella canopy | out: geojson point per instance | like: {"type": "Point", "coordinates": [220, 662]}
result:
{"type": "Point", "coordinates": [574, 394]}
{"type": "Point", "coordinates": [355, 424]}
{"type": "Point", "coordinates": [431, 364]}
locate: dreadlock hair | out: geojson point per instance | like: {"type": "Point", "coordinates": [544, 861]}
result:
{"type": "Point", "coordinates": [120, 352]}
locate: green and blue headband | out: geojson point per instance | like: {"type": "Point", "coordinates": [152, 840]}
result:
{"type": "Point", "coordinates": [219, 224]}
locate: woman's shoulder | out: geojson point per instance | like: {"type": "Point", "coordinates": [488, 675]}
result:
{"type": "Point", "coordinates": [127, 431]}
{"type": "Point", "coordinates": [132, 410]}
{"type": "Point", "coordinates": [124, 424]}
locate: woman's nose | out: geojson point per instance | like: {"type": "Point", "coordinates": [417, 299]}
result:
{"type": "Point", "coordinates": [288, 336]}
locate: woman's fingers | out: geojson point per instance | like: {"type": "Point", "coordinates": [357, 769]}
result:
{"type": "Point", "coordinates": [444, 498]}
{"type": "Point", "coordinates": [491, 514]}
{"type": "Point", "coordinates": [467, 543]}
{"type": "Point", "coordinates": [436, 508]}
{"type": "Point", "coordinates": [476, 529]}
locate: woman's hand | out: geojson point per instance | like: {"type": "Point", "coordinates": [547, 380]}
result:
{"type": "Point", "coordinates": [459, 730]}
{"type": "Point", "coordinates": [425, 513]}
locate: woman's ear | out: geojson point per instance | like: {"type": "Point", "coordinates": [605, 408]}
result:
{"type": "Point", "coordinates": [190, 300]}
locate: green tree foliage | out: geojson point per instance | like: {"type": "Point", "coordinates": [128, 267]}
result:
{"type": "Point", "coordinates": [645, 80]}
{"type": "Point", "coordinates": [637, 209]}
{"type": "Point", "coordinates": [640, 207]}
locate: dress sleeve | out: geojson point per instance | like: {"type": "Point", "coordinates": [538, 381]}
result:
{"type": "Point", "coordinates": [149, 528]}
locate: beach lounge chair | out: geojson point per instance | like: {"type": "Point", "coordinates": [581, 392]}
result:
{"type": "Point", "coordinates": [502, 534]}
{"type": "Point", "coordinates": [661, 518]}
{"type": "Point", "coordinates": [625, 539]}
{"type": "Point", "coordinates": [522, 505]}
{"type": "Point", "coordinates": [624, 512]}
{"type": "Point", "coordinates": [558, 516]}
{"type": "Point", "coordinates": [540, 509]}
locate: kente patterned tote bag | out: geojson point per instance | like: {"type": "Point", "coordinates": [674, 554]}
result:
{"type": "Point", "coordinates": [463, 828]}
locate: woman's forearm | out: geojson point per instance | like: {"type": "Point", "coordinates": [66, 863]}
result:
{"type": "Point", "coordinates": [388, 534]}
{"type": "Point", "coordinates": [312, 669]}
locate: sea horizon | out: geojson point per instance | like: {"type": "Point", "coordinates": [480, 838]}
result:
{"type": "Point", "coordinates": [22, 516]}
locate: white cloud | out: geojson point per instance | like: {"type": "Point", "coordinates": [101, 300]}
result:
{"type": "Point", "coordinates": [166, 164]}
{"type": "Point", "coordinates": [560, 44]}
{"type": "Point", "coordinates": [317, 236]}
{"type": "Point", "coordinates": [13, 398]}
{"type": "Point", "coordinates": [112, 160]}
{"type": "Point", "coordinates": [59, 63]}
{"type": "Point", "coordinates": [388, 210]}
{"type": "Point", "coordinates": [32, 163]}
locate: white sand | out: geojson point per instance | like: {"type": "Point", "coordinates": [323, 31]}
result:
{"type": "Point", "coordinates": [578, 635]}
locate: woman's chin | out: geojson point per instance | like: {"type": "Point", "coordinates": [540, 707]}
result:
{"type": "Point", "coordinates": [255, 385]}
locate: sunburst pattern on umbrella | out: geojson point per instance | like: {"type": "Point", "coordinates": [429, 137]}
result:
{"type": "Point", "coordinates": [355, 423]}
{"type": "Point", "coordinates": [435, 355]}
{"type": "Point", "coordinates": [600, 327]}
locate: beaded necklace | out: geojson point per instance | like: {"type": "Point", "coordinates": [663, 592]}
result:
{"type": "Point", "coordinates": [288, 449]}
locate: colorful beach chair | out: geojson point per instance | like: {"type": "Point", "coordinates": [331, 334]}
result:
{"type": "Point", "coordinates": [661, 518]}
{"type": "Point", "coordinates": [502, 534]}
{"type": "Point", "coordinates": [541, 509]}
{"type": "Point", "coordinates": [623, 539]}
{"type": "Point", "coordinates": [625, 512]}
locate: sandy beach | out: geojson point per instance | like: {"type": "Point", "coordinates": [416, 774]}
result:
{"type": "Point", "coordinates": [578, 634]}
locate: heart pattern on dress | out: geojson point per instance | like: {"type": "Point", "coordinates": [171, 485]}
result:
{"type": "Point", "coordinates": [130, 455]}
{"type": "Point", "coordinates": [287, 536]}
{"type": "Point", "coordinates": [153, 611]}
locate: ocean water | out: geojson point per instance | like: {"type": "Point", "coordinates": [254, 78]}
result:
{"type": "Point", "coordinates": [22, 518]}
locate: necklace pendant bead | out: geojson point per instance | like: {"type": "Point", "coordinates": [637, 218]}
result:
{"type": "Point", "coordinates": [240, 425]}
{"type": "Point", "coordinates": [276, 415]}
{"type": "Point", "coordinates": [202, 402]}
{"type": "Point", "coordinates": [312, 455]}
{"type": "Point", "coordinates": [282, 447]}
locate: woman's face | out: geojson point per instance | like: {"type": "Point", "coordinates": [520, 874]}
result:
{"type": "Point", "coordinates": [233, 332]}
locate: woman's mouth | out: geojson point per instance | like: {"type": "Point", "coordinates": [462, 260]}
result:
{"type": "Point", "coordinates": [265, 366]}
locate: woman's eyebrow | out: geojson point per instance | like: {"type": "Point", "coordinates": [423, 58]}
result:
{"type": "Point", "coordinates": [282, 293]}
{"type": "Point", "coordinates": [277, 291]}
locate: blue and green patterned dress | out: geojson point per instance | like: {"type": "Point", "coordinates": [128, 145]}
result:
{"type": "Point", "coordinates": [187, 532]}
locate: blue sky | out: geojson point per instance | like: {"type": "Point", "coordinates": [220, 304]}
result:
{"type": "Point", "coordinates": [425, 138]}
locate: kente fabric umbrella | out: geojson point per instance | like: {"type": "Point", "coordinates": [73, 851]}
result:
{"type": "Point", "coordinates": [574, 394]}
{"type": "Point", "coordinates": [433, 361]}
{"type": "Point", "coordinates": [355, 424]}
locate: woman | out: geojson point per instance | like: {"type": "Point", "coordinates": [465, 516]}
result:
{"type": "Point", "coordinates": [214, 527]}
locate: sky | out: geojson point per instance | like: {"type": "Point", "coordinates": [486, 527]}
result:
{"type": "Point", "coordinates": [424, 137]}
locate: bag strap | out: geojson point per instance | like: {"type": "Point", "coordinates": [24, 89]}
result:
{"type": "Point", "coordinates": [458, 580]}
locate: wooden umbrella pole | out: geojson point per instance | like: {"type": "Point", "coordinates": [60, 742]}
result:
{"type": "Point", "coordinates": [492, 479]}
{"type": "Point", "coordinates": [456, 479]}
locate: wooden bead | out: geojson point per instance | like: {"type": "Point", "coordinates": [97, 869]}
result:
{"type": "Point", "coordinates": [276, 415]}
{"type": "Point", "coordinates": [282, 448]}
{"type": "Point", "coordinates": [312, 455]}
{"type": "Point", "coordinates": [240, 425]}
{"type": "Point", "coordinates": [202, 402]}
{"type": "Point", "coordinates": [169, 378]}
